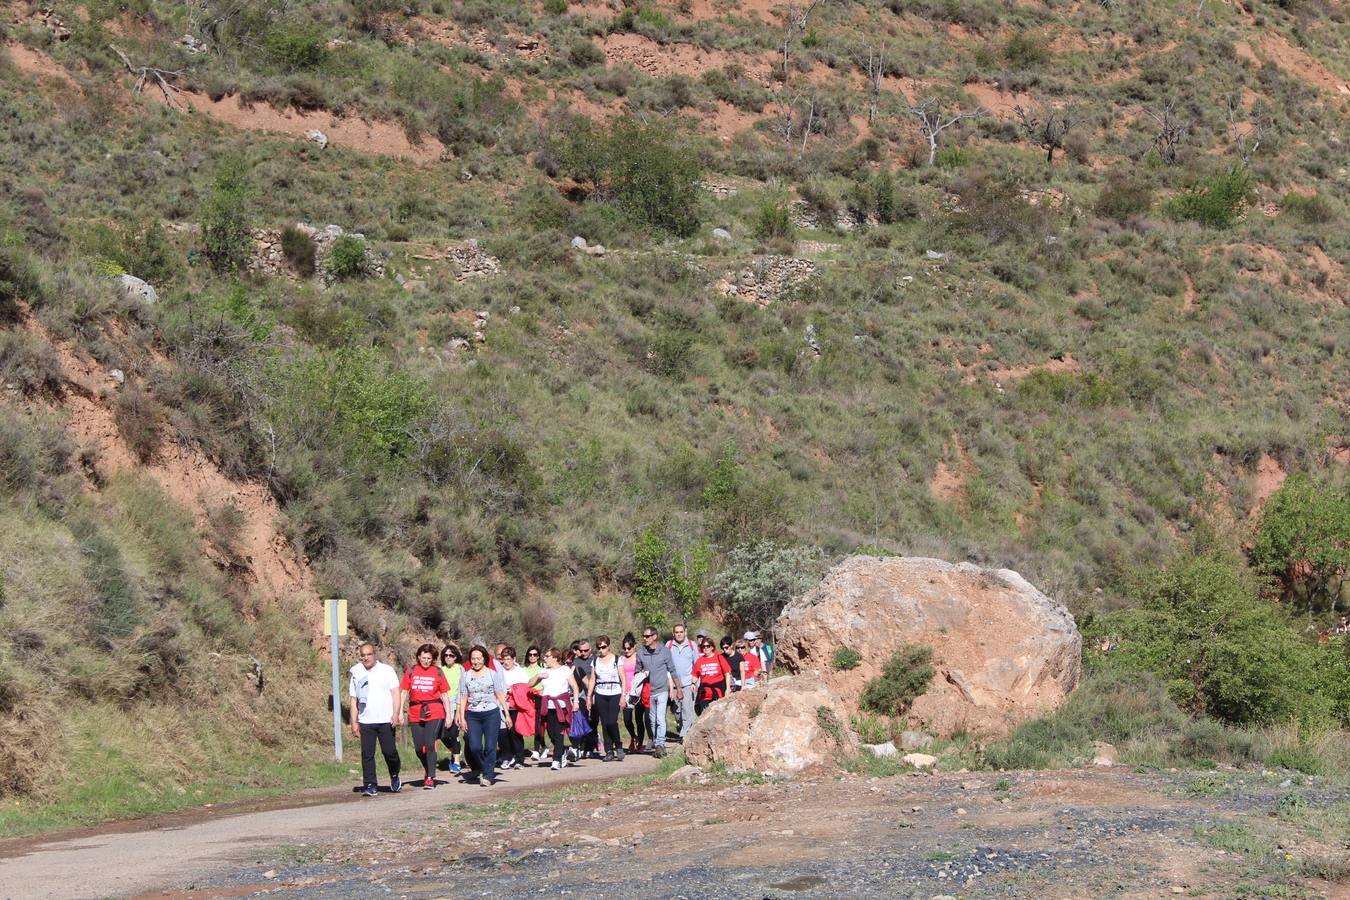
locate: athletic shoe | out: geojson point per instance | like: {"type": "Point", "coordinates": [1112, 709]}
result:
{"type": "Point", "coordinates": [534, 756]}
{"type": "Point", "coordinates": [609, 757]}
{"type": "Point", "coordinates": [563, 762]}
{"type": "Point", "coordinates": [371, 791]}
{"type": "Point", "coordinates": [658, 751]}
{"type": "Point", "coordinates": [510, 763]}
{"type": "Point", "coordinates": [556, 766]}
{"type": "Point", "coordinates": [454, 768]}
{"type": "Point", "coordinates": [395, 785]}
{"type": "Point", "coordinates": [619, 754]}
{"type": "Point", "coordinates": [572, 754]}
{"type": "Point", "coordinates": [428, 784]}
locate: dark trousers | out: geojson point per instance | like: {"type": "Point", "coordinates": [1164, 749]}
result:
{"type": "Point", "coordinates": [539, 730]}
{"type": "Point", "coordinates": [635, 720]}
{"type": "Point", "coordinates": [482, 739]}
{"type": "Point", "coordinates": [607, 711]}
{"type": "Point", "coordinates": [556, 723]}
{"type": "Point", "coordinates": [450, 738]}
{"type": "Point", "coordinates": [510, 743]}
{"type": "Point", "coordinates": [707, 694]}
{"type": "Point", "coordinates": [587, 743]}
{"type": "Point", "coordinates": [384, 733]}
{"type": "Point", "coordinates": [424, 735]}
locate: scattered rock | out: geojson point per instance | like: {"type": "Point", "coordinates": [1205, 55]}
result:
{"type": "Point", "coordinates": [316, 136]}
{"type": "Point", "coordinates": [686, 774]}
{"type": "Point", "coordinates": [471, 262]}
{"type": "Point", "coordinates": [136, 289]}
{"type": "Point", "coordinates": [933, 254]}
{"type": "Point", "coordinates": [721, 234]}
{"type": "Point", "coordinates": [919, 760]}
{"type": "Point", "coordinates": [267, 258]}
{"type": "Point", "coordinates": [915, 740]}
{"type": "Point", "coordinates": [1003, 651]}
{"type": "Point", "coordinates": [192, 44]}
{"type": "Point", "coordinates": [884, 750]}
{"type": "Point", "coordinates": [118, 376]}
{"type": "Point", "coordinates": [811, 338]}
{"type": "Point", "coordinates": [776, 729]}
{"type": "Point", "coordinates": [1104, 754]}
{"type": "Point", "coordinates": [578, 243]}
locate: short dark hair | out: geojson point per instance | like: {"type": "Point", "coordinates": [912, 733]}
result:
{"type": "Point", "coordinates": [428, 649]}
{"type": "Point", "coordinates": [453, 650]}
{"type": "Point", "coordinates": [508, 650]}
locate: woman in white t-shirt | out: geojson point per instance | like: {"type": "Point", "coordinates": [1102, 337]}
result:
{"type": "Point", "coordinates": [511, 743]}
{"type": "Point", "coordinates": [558, 686]}
{"type": "Point", "coordinates": [607, 697]}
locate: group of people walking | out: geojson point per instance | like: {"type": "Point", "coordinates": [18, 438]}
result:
{"type": "Point", "coordinates": [567, 702]}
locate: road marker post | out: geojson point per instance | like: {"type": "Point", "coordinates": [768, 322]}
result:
{"type": "Point", "coordinates": [334, 625]}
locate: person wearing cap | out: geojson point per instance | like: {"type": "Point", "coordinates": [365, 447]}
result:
{"type": "Point", "coordinates": [762, 650]}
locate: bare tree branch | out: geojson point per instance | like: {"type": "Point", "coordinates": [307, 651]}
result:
{"type": "Point", "coordinates": [145, 73]}
{"type": "Point", "coordinates": [931, 118]}
{"type": "Point", "coordinates": [1246, 139]}
{"type": "Point", "coordinates": [1048, 128]}
{"type": "Point", "coordinates": [1172, 131]}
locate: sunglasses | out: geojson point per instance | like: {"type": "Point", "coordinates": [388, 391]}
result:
{"type": "Point", "coordinates": [603, 646]}
{"type": "Point", "coordinates": [532, 653]}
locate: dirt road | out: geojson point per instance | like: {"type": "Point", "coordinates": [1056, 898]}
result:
{"type": "Point", "coordinates": [1081, 833]}
{"type": "Point", "coordinates": [173, 853]}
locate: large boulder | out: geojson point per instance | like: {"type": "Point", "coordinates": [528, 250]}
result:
{"type": "Point", "coordinates": [1004, 652]}
{"type": "Point", "coordinates": [777, 728]}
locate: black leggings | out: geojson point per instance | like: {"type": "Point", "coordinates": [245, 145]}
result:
{"type": "Point", "coordinates": [511, 744]}
{"type": "Point", "coordinates": [556, 723]}
{"type": "Point", "coordinates": [607, 709]}
{"type": "Point", "coordinates": [635, 720]}
{"type": "Point", "coordinates": [450, 738]}
{"type": "Point", "coordinates": [424, 735]}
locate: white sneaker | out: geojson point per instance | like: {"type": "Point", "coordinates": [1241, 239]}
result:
{"type": "Point", "coordinates": [564, 761]}
{"type": "Point", "coordinates": [534, 756]}
{"type": "Point", "coordinates": [555, 767]}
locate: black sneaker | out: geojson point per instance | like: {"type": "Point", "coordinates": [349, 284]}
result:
{"type": "Point", "coordinates": [609, 757]}
{"type": "Point", "coordinates": [395, 785]}
{"type": "Point", "coordinates": [619, 754]}
{"type": "Point", "coordinates": [371, 791]}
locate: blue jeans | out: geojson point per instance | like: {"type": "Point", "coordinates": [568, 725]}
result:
{"type": "Point", "coordinates": [657, 717]}
{"type": "Point", "coordinates": [483, 728]}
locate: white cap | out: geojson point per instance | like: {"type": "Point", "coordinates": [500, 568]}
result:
{"type": "Point", "coordinates": [751, 636]}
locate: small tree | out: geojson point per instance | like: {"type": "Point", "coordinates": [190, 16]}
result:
{"type": "Point", "coordinates": [759, 579]}
{"type": "Point", "coordinates": [224, 216]}
{"type": "Point", "coordinates": [1047, 127]}
{"type": "Point", "coordinates": [933, 120]}
{"type": "Point", "coordinates": [1173, 129]}
{"type": "Point", "coordinates": [1304, 541]}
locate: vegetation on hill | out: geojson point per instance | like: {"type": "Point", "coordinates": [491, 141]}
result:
{"type": "Point", "coordinates": [1093, 325]}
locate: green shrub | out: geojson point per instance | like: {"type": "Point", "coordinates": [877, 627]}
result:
{"type": "Point", "coordinates": [664, 578]}
{"type": "Point", "coordinates": [347, 257]}
{"type": "Point", "coordinates": [293, 50]}
{"type": "Point", "coordinates": [224, 216]}
{"type": "Point", "coordinates": [1313, 210]}
{"type": "Point", "coordinates": [583, 54]}
{"type": "Point", "coordinates": [672, 352]}
{"type": "Point", "coordinates": [1299, 759]}
{"type": "Point", "coordinates": [138, 417]}
{"type": "Point", "coordinates": [951, 157]}
{"type": "Point", "coordinates": [18, 281]}
{"type": "Point", "coordinates": [30, 364]}
{"type": "Point", "coordinates": [555, 7]}
{"type": "Point", "coordinates": [1304, 540]}
{"type": "Point", "coordinates": [299, 249]}
{"type": "Point", "coordinates": [773, 219]}
{"type": "Point", "coordinates": [845, 659]}
{"type": "Point", "coordinates": [1024, 51]}
{"type": "Point", "coordinates": [1124, 195]}
{"type": "Point", "coordinates": [1216, 201]}
{"type": "Point", "coordinates": [904, 678]}
{"type": "Point", "coordinates": [1202, 627]}
{"type": "Point", "coordinates": [829, 723]}
{"type": "Point", "coordinates": [759, 579]}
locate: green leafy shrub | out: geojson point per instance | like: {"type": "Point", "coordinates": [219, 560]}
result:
{"type": "Point", "coordinates": [1311, 210]}
{"type": "Point", "coordinates": [1216, 201]}
{"type": "Point", "coordinates": [1124, 195]}
{"type": "Point", "coordinates": [759, 579]}
{"type": "Point", "coordinates": [1202, 627]}
{"type": "Point", "coordinates": [293, 49]}
{"type": "Point", "coordinates": [1024, 51]}
{"type": "Point", "coordinates": [1304, 540]}
{"type": "Point", "coordinates": [773, 219]}
{"type": "Point", "coordinates": [347, 257]}
{"type": "Point", "coordinates": [583, 54]}
{"type": "Point", "coordinates": [829, 723]}
{"type": "Point", "coordinates": [846, 659]}
{"type": "Point", "coordinates": [664, 578]}
{"type": "Point", "coordinates": [992, 206]}
{"type": "Point", "coordinates": [951, 157]}
{"type": "Point", "coordinates": [904, 678]}
{"type": "Point", "coordinates": [299, 249]}
{"type": "Point", "coordinates": [18, 281]}
{"type": "Point", "coordinates": [224, 216]}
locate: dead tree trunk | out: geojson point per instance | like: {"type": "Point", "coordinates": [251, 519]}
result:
{"type": "Point", "coordinates": [928, 113]}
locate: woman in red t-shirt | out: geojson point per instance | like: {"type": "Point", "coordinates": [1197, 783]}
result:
{"type": "Point", "coordinates": [713, 675]}
{"type": "Point", "coordinates": [425, 694]}
{"type": "Point", "coordinates": [750, 664]}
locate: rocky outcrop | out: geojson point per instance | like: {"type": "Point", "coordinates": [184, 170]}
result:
{"type": "Point", "coordinates": [766, 279]}
{"type": "Point", "coordinates": [268, 259]}
{"type": "Point", "coordinates": [136, 289]}
{"type": "Point", "coordinates": [1004, 652]}
{"type": "Point", "coordinates": [777, 728]}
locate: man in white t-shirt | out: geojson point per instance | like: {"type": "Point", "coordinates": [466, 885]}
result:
{"type": "Point", "coordinates": [373, 687]}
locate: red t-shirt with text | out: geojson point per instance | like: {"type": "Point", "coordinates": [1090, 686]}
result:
{"type": "Point", "coordinates": [425, 685]}
{"type": "Point", "coordinates": [711, 669]}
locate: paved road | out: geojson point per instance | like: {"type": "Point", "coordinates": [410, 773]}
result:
{"type": "Point", "coordinates": [135, 858]}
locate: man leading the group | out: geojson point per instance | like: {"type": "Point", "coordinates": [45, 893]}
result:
{"type": "Point", "coordinates": [373, 687]}
{"type": "Point", "coordinates": [682, 654]}
{"type": "Point", "coordinates": [654, 659]}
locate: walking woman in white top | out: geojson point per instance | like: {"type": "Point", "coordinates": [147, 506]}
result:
{"type": "Point", "coordinates": [558, 686]}
{"type": "Point", "coordinates": [607, 697]}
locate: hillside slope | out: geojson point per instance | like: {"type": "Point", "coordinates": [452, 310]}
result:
{"type": "Point", "coordinates": [470, 426]}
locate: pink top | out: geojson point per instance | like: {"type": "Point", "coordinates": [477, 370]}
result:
{"type": "Point", "coordinates": [629, 669]}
